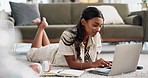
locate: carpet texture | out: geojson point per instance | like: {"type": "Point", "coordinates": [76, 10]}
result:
{"type": "Point", "coordinates": [21, 50]}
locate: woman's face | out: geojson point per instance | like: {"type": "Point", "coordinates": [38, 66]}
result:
{"type": "Point", "coordinates": [92, 26]}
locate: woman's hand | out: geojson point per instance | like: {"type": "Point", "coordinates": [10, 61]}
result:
{"type": "Point", "coordinates": [102, 63]}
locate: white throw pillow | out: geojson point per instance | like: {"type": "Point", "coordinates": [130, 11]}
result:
{"type": "Point", "coordinates": [110, 14]}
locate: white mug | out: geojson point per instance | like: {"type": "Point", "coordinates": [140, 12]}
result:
{"type": "Point", "coordinates": [45, 66]}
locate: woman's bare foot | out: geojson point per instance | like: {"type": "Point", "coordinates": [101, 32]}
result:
{"type": "Point", "coordinates": [43, 23]}
{"type": "Point", "coordinates": [40, 23]}
{"type": "Point", "coordinates": [37, 21]}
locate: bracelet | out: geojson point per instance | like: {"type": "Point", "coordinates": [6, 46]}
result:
{"type": "Point", "coordinates": [81, 65]}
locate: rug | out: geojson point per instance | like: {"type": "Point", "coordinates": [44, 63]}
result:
{"type": "Point", "coordinates": [107, 54]}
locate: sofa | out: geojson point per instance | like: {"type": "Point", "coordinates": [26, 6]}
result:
{"type": "Point", "coordinates": [61, 16]}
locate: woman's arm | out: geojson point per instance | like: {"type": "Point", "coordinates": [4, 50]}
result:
{"type": "Point", "coordinates": [77, 65]}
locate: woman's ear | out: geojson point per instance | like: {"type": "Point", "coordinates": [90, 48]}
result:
{"type": "Point", "coordinates": [83, 21]}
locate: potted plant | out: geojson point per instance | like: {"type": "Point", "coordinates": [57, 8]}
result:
{"type": "Point", "coordinates": [144, 5]}
{"type": "Point", "coordinates": [144, 1]}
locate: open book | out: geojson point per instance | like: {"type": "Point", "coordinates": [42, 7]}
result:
{"type": "Point", "coordinates": [64, 72]}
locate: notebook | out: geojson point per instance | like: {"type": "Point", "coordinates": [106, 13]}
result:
{"type": "Point", "coordinates": [125, 60]}
{"type": "Point", "coordinates": [63, 73]}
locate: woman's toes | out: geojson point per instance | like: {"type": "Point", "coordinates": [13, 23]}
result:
{"type": "Point", "coordinates": [36, 21]}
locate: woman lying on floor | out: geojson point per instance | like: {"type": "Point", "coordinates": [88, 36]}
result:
{"type": "Point", "coordinates": [78, 47]}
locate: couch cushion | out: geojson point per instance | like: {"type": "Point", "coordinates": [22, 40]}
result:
{"type": "Point", "coordinates": [53, 31]}
{"type": "Point", "coordinates": [110, 14]}
{"type": "Point", "coordinates": [24, 13]}
{"type": "Point", "coordinates": [122, 31]}
{"type": "Point", "coordinates": [56, 13]}
{"type": "Point", "coordinates": [77, 9]}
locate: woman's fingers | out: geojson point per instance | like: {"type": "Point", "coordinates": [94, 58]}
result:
{"type": "Point", "coordinates": [103, 63]}
{"type": "Point", "coordinates": [108, 63]}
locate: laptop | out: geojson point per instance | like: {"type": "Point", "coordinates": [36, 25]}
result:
{"type": "Point", "coordinates": [125, 60]}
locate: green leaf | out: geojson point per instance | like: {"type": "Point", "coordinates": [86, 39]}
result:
{"type": "Point", "coordinates": [144, 1]}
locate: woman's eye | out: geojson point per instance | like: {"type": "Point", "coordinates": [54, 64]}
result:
{"type": "Point", "coordinates": [95, 25]}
